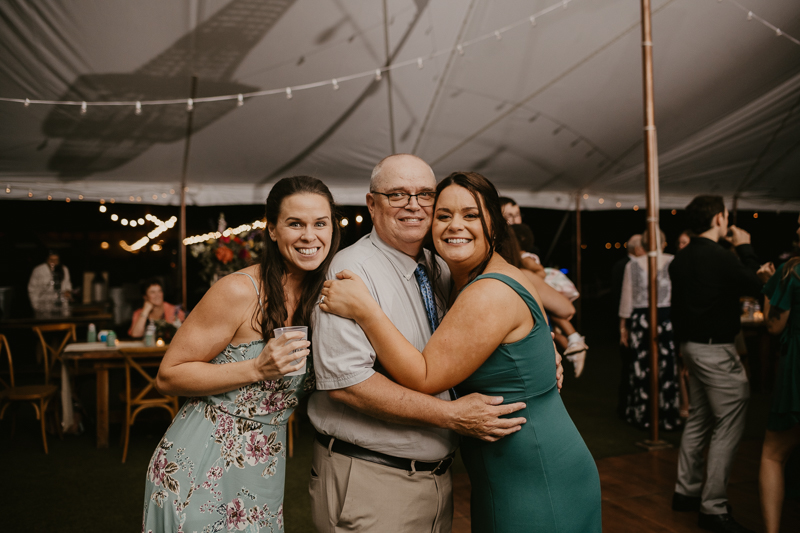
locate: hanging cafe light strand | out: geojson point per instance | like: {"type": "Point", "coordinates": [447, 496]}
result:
{"type": "Point", "coordinates": [289, 91]}
{"type": "Point", "coordinates": [335, 82]}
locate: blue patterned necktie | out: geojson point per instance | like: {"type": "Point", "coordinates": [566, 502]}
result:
{"type": "Point", "coordinates": [427, 297]}
{"type": "Point", "coordinates": [430, 305]}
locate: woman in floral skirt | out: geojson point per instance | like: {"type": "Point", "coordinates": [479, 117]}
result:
{"type": "Point", "coordinates": [221, 464]}
{"type": "Point", "coordinates": [635, 333]}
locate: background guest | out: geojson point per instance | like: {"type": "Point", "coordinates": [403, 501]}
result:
{"type": "Point", "coordinates": [684, 239]}
{"type": "Point", "coordinates": [635, 249]}
{"type": "Point", "coordinates": [154, 308]}
{"type": "Point", "coordinates": [782, 309]}
{"type": "Point", "coordinates": [510, 211]}
{"type": "Point", "coordinates": [49, 283]}
{"type": "Point", "coordinates": [707, 282]}
{"type": "Point", "coordinates": [635, 327]}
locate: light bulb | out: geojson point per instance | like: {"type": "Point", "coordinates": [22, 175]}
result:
{"type": "Point", "coordinates": [138, 110]}
{"type": "Point", "coordinates": [239, 101]}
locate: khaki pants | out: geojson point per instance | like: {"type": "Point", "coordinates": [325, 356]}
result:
{"type": "Point", "coordinates": [719, 391]}
{"type": "Point", "coordinates": [354, 495]}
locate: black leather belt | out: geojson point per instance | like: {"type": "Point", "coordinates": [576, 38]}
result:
{"type": "Point", "coordinates": [357, 452]}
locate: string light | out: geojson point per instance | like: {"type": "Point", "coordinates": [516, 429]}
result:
{"type": "Point", "coordinates": [124, 221]}
{"type": "Point", "coordinates": [104, 245]}
{"type": "Point", "coordinates": [531, 20]}
{"type": "Point", "coordinates": [359, 219]}
{"type": "Point", "coordinates": [497, 34]}
{"type": "Point", "coordinates": [114, 217]}
{"type": "Point", "coordinates": [753, 16]}
{"type": "Point", "coordinates": [239, 100]}
{"type": "Point", "coordinates": [601, 201]}
{"type": "Point", "coordinates": [619, 204]}
{"type": "Point", "coordinates": [80, 197]}
{"type": "Point", "coordinates": [30, 194]}
{"type": "Point", "coordinates": [8, 189]}
{"type": "Point", "coordinates": [133, 223]}
{"type": "Point", "coordinates": [103, 209]}
{"type": "Point", "coordinates": [214, 235]}
{"type": "Point", "coordinates": [344, 222]}
{"type": "Point", "coordinates": [49, 197]}
{"type": "Point", "coordinates": [138, 110]}
{"type": "Point", "coordinates": [335, 84]}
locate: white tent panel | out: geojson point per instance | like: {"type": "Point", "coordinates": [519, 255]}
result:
{"type": "Point", "coordinates": [546, 112]}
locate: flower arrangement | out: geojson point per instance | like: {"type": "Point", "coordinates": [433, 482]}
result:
{"type": "Point", "coordinates": [227, 254]}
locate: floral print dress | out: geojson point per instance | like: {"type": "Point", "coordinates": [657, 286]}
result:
{"type": "Point", "coordinates": [222, 463]}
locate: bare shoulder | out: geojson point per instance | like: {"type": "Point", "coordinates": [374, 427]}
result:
{"type": "Point", "coordinates": [232, 293]}
{"type": "Point", "coordinates": [487, 291]}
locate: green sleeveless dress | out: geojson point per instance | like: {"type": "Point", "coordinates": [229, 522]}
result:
{"type": "Point", "coordinates": [541, 478]}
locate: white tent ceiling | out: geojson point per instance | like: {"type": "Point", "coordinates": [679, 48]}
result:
{"type": "Point", "coordinates": [545, 112]}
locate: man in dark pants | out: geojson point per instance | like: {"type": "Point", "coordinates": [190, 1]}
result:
{"type": "Point", "coordinates": [707, 282]}
{"type": "Point", "coordinates": [635, 249]}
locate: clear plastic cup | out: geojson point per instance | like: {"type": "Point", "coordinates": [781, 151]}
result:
{"type": "Point", "coordinates": [304, 329]}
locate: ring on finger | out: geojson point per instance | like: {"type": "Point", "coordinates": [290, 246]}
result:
{"type": "Point", "coordinates": [321, 299]}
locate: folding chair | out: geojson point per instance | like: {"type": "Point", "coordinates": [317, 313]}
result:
{"type": "Point", "coordinates": [138, 400]}
{"type": "Point", "coordinates": [38, 396]}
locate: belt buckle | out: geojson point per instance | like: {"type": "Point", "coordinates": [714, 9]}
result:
{"type": "Point", "coordinates": [442, 467]}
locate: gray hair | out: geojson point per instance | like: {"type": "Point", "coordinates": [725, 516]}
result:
{"type": "Point", "coordinates": [376, 172]}
{"type": "Point", "coordinates": [634, 241]}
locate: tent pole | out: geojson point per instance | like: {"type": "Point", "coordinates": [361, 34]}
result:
{"type": "Point", "coordinates": [184, 171]}
{"type": "Point", "coordinates": [654, 241]}
{"type": "Point", "coordinates": [578, 272]}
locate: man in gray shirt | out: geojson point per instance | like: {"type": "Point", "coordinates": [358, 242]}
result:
{"type": "Point", "coordinates": [382, 456]}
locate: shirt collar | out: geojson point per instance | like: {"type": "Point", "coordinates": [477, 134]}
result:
{"type": "Point", "coordinates": [403, 263]}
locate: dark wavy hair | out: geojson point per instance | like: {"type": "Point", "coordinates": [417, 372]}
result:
{"type": "Point", "coordinates": [273, 266]}
{"type": "Point", "coordinates": [496, 230]}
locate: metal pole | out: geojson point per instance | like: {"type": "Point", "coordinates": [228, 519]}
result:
{"type": "Point", "coordinates": [578, 250]}
{"type": "Point", "coordinates": [184, 172]}
{"type": "Point", "coordinates": [651, 158]}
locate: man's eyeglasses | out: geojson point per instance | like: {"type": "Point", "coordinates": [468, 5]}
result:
{"type": "Point", "coordinates": [402, 199]}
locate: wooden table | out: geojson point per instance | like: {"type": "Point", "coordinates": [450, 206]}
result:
{"type": "Point", "coordinates": [104, 358]}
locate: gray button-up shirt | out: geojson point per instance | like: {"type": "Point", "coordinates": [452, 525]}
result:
{"type": "Point", "coordinates": [344, 357]}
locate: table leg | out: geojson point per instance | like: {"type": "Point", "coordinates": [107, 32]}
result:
{"type": "Point", "coordinates": [102, 407]}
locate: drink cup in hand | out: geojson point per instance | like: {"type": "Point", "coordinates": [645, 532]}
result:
{"type": "Point", "coordinates": [304, 329]}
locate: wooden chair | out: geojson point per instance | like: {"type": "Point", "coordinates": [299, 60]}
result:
{"type": "Point", "coordinates": [37, 395]}
{"type": "Point", "coordinates": [53, 348]}
{"type": "Point", "coordinates": [138, 400]}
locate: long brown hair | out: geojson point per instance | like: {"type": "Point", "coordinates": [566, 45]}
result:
{"type": "Point", "coordinates": [495, 231]}
{"type": "Point", "coordinates": [273, 266]}
{"type": "Point", "coordinates": [790, 270]}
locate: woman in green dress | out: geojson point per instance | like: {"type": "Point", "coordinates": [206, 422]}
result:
{"type": "Point", "coordinates": [221, 464]}
{"type": "Point", "coordinates": [782, 309]}
{"type": "Point", "coordinates": [494, 340]}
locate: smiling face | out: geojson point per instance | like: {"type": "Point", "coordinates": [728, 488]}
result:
{"type": "Point", "coordinates": [512, 214]}
{"type": "Point", "coordinates": [303, 231]}
{"type": "Point", "coordinates": [154, 295]}
{"type": "Point", "coordinates": [457, 229]}
{"type": "Point", "coordinates": [402, 228]}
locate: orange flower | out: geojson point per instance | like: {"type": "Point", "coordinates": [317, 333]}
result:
{"type": "Point", "coordinates": [224, 254]}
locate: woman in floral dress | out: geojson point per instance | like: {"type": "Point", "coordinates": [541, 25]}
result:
{"type": "Point", "coordinates": [221, 464]}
